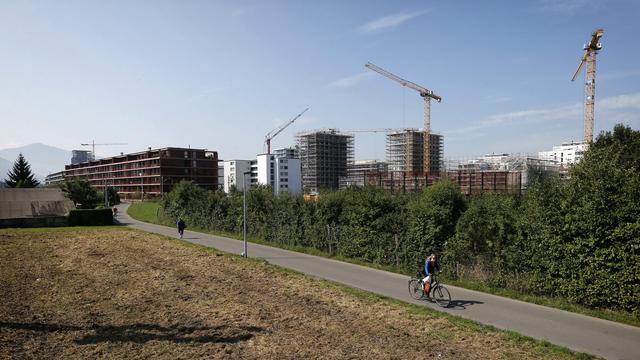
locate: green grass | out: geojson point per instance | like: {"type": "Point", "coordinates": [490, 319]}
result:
{"type": "Point", "coordinates": [146, 211]}
{"type": "Point", "coordinates": [151, 212]}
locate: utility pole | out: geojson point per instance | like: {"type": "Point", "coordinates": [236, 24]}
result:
{"type": "Point", "coordinates": [244, 211]}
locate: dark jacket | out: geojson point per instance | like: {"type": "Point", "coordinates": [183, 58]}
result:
{"type": "Point", "coordinates": [181, 225]}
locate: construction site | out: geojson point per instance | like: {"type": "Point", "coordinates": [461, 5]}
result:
{"type": "Point", "coordinates": [325, 157]}
{"type": "Point", "coordinates": [415, 157]}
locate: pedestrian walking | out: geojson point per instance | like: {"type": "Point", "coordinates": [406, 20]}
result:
{"type": "Point", "coordinates": [181, 227]}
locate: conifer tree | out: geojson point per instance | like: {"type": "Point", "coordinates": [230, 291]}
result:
{"type": "Point", "coordinates": [21, 176]}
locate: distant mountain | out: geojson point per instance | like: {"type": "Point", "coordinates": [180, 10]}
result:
{"type": "Point", "coordinates": [44, 159]}
{"type": "Point", "coordinates": [5, 166]}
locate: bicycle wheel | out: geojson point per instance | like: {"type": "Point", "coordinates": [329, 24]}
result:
{"type": "Point", "coordinates": [441, 296]}
{"type": "Point", "coordinates": [415, 289]}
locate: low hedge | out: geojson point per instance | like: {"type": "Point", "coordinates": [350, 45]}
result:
{"type": "Point", "coordinates": [90, 217]}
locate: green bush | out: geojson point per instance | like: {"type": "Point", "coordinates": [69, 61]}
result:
{"type": "Point", "coordinates": [90, 217]}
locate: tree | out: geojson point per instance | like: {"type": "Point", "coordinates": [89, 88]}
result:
{"type": "Point", "coordinates": [113, 198]}
{"type": "Point", "coordinates": [81, 193]}
{"type": "Point", "coordinates": [602, 224]}
{"type": "Point", "coordinates": [432, 217]}
{"type": "Point", "coordinates": [21, 176]}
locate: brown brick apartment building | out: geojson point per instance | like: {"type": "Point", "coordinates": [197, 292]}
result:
{"type": "Point", "coordinates": [149, 172]}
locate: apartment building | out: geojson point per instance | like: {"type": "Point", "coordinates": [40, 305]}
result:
{"type": "Point", "coordinates": [154, 171]}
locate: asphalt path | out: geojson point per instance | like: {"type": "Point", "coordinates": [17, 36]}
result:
{"type": "Point", "coordinates": [574, 331]}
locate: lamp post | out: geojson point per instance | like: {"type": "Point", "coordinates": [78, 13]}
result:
{"type": "Point", "coordinates": [244, 210]}
{"type": "Point", "coordinates": [141, 187]}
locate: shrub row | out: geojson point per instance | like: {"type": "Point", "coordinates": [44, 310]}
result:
{"type": "Point", "coordinates": [90, 217]}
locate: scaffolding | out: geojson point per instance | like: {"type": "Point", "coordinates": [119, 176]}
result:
{"type": "Point", "coordinates": [498, 173]}
{"type": "Point", "coordinates": [405, 152]}
{"type": "Point", "coordinates": [508, 173]}
{"type": "Point", "coordinates": [325, 156]}
{"type": "Point", "coordinates": [358, 172]}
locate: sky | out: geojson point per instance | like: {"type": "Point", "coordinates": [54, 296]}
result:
{"type": "Point", "coordinates": [221, 74]}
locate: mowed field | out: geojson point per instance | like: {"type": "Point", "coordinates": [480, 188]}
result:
{"type": "Point", "coordinates": [118, 293]}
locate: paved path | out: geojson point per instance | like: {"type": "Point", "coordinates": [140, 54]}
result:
{"type": "Point", "coordinates": [577, 332]}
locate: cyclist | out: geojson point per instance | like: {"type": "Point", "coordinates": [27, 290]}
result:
{"type": "Point", "coordinates": [431, 266]}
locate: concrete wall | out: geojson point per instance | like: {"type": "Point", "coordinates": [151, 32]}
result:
{"type": "Point", "coordinates": [36, 202]}
{"type": "Point", "coordinates": [34, 222]}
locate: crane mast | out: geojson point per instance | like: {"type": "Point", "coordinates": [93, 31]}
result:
{"type": "Point", "coordinates": [273, 133]}
{"type": "Point", "coordinates": [93, 147]}
{"type": "Point", "coordinates": [427, 95]}
{"type": "Point", "coordinates": [589, 57]}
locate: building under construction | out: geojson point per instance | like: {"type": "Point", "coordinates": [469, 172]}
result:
{"type": "Point", "coordinates": [325, 157]}
{"type": "Point", "coordinates": [405, 152]}
{"type": "Point", "coordinates": [501, 173]}
{"type": "Point", "coordinates": [358, 172]}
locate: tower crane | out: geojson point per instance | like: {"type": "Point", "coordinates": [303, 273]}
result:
{"type": "Point", "coordinates": [273, 133]}
{"type": "Point", "coordinates": [589, 57]}
{"type": "Point", "coordinates": [381, 130]}
{"type": "Point", "coordinates": [408, 158]}
{"type": "Point", "coordinates": [427, 95]}
{"type": "Point", "coordinates": [93, 147]}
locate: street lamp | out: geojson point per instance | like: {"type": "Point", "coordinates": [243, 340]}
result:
{"type": "Point", "coordinates": [244, 210]}
{"type": "Point", "coordinates": [141, 187]}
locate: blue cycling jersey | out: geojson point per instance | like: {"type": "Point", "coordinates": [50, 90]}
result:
{"type": "Point", "coordinates": [430, 268]}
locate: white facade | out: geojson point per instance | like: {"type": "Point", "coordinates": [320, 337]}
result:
{"type": "Point", "coordinates": [281, 173]}
{"type": "Point", "coordinates": [221, 174]}
{"type": "Point", "coordinates": [233, 171]}
{"type": "Point", "coordinates": [288, 152]}
{"type": "Point", "coordinates": [565, 154]}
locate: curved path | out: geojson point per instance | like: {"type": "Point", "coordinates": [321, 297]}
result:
{"type": "Point", "coordinates": [577, 332]}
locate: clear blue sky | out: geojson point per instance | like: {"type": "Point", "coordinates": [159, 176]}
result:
{"type": "Point", "coordinates": [221, 74]}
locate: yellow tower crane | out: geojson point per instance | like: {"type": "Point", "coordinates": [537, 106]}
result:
{"type": "Point", "coordinates": [427, 95]}
{"type": "Point", "coordinates": [589, 57]}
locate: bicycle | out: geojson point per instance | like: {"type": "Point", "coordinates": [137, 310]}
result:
{"type": "Point", "coordinates": [437, 292]}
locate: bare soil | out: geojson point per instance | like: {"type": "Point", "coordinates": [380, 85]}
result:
{"type": "Point", "coordinates": [128, 294]}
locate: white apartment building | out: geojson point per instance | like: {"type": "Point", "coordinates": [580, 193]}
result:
{"type": "Point", "coordinates": [280, 170]}
{"type": "Point", "coordinates": [233, 172]}
{"type": "Point", "coordinates": [220, 174]}
{"type": "Point", "coordinates": [565, 154]}
{"type": "Point", "coordinates": [282, 173]}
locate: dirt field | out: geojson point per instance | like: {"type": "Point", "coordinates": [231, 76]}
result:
{"type": "Point", "coordinates": [125, 294]}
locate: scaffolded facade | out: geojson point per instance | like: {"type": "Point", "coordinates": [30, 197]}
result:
{"type": "Point", "coordinates": [405, 152]}
{"type": "Point", "coordinates": [325, 157]}
{"type": "Point", "coordinates": [358, 173]}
